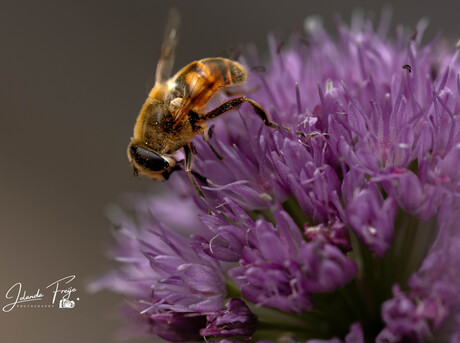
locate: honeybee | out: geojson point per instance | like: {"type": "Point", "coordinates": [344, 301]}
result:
{"type": "Point", "coordinates": [174, 110]}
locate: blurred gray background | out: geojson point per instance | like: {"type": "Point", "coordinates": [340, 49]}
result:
{"type": "Point", "coordinates": [73, 75]}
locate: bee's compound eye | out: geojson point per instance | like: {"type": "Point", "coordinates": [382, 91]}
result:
{"type": "Point", "coordinates": [148, 159]}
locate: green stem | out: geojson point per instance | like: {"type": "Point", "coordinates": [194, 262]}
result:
{"type": "Point", "coordinates": [292, 207]}
{"type": "Point", "coordinates": [233, 291]}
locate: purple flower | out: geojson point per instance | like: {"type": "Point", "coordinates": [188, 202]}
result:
{"type": "Point", "coordinates": [279, 269]}
{"type": "Point", "coordinates": [342, 227]}
{"type": "Point", "coordinates": [372, 219]}
{"type": "Point", "coordinates": [403, 322]}
{"type": "Point", "coordinates": [177, 326]}
{"type": "Point", "coordinates": [236, 320]}
{"type": "Point", "coordinates": [174, 283]}
{"type": "Point", "coordinates": [354, 336]}
{"type": "Point", "coordinates": [334, 231]}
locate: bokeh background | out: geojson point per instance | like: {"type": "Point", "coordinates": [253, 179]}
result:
{"type": "Point", "coordinates": [73, 75]}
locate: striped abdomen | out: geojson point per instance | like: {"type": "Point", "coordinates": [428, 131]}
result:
{"type": "Point", "coordinates": [198, 81]}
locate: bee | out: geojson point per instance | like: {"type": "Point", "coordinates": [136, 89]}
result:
{"type": "Point", "coordinates": [174, 111]}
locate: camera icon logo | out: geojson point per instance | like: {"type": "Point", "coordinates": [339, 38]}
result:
{"type": "Point", "coordinates": [65, 303]}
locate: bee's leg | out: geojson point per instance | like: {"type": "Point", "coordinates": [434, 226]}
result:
{"type": "Point", "coordinates": [234, 103]}
{"type": "Point", "coordinates": [206, 137]}
{"type": "Point", "coordinates": [188, 169]}
{"type": "Point", "coordinates": [192, 149]}
{"type": "Point", "coordinates": [201, 129]}
{"type": "Point", "coordinates": [211, 130]}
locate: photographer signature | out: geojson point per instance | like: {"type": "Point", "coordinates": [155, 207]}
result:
{"type": "Point", "coordinates": [19, 296]}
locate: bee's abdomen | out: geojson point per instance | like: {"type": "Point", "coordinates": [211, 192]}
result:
{"type": "Point", "coordinates": [208, 74]}
{"type": "Point", "coordinates": [230, 72]}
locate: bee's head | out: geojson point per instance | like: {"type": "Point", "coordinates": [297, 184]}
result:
{"type": "Point", "coordinates": [147, 162]}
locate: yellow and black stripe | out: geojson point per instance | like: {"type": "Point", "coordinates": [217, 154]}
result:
{"type": "Point", "coordinates": [203, 78]}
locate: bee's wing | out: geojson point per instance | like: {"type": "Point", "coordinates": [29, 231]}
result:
{"type": "Point", "coordinates": [166, 61]}
{"type": "Point", "coordinates": [199, 92]}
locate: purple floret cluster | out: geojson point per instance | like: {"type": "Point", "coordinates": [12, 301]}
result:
{"type": "Point", "coordinates": [342, 227]}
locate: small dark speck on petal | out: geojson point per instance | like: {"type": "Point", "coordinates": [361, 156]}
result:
{"type": "Point", "coordinates": [407, 67]}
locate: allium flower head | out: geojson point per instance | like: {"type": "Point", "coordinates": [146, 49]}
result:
{"type": "Point", "coordinates": [342, 227]}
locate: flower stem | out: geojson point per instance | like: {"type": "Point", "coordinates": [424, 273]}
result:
{"type": "Point", "coordinates": [292, 207]}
